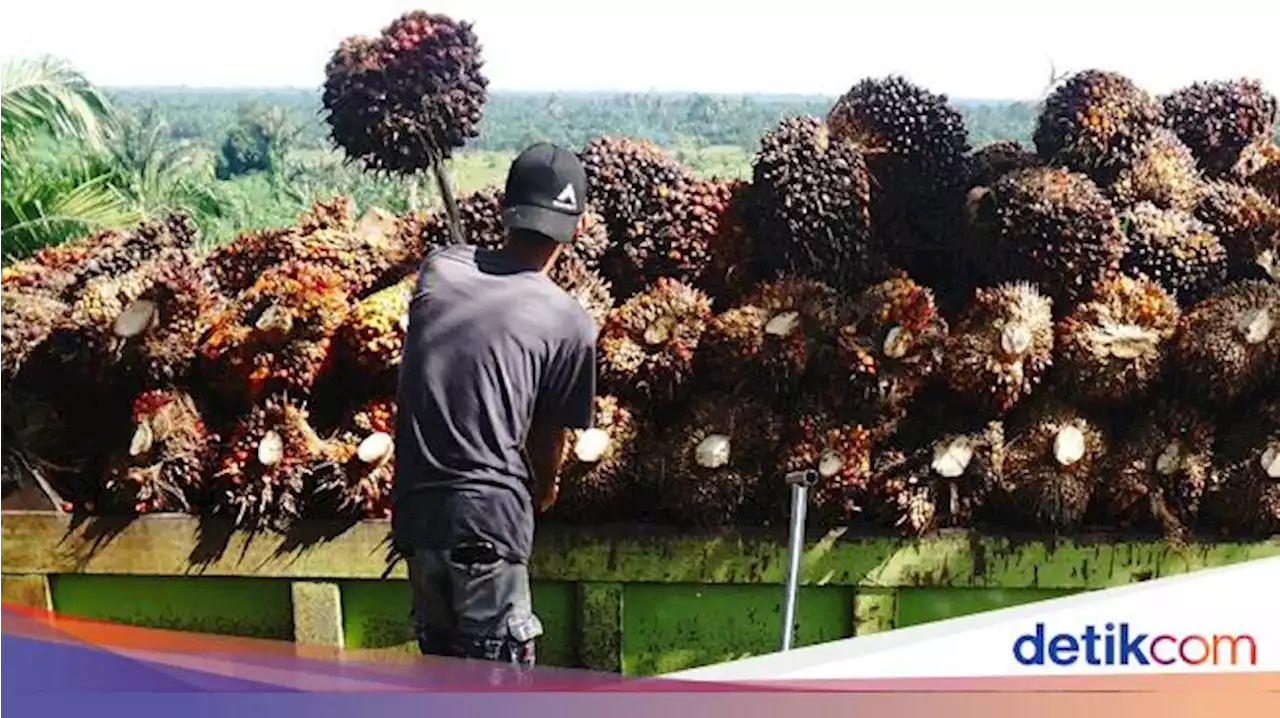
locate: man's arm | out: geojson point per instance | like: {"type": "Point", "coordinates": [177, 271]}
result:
{"type": "Point", "coordinates": [566, 401]}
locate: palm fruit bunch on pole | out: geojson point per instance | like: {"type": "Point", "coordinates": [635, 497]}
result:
{"type": "Point", "coordinates": [942, 481]}
{"type": "Point", "coordinates": [163, 468]}
{"type": "Point", "coordinates": [812, 197]}
{"type": "Point", "coordinates": [1163, 172]}
{"type": "Point", "coordinates": [404, 100]}
{"type": "Point", "coordinates": [1247, 224]}
{"type": "Point", "coordinates": [1248, 471]}
{"type": "Point", "coordinates": [840, 452]}
{"type": "Point", "coordinates": [1001, 345]}
{"type": "Point", "coordinates": [1051, 466]}
{"type": "Point", "coordinates": [364, 251]}
{"type": "Point", "coordinates": [782, 333]}
{"type": "Point", "coordinates": [1162, 471]}
{"type": "Point", "coordinates": [647, 344]}
{"type": "Point", "coordinates": [355, 470]}
{"type": "Point", "coordinates": [371, 338]}
{"type": "Point", "coordinates": [1221, 120]}
{"type": "Point", "coordinates": [261, 478]}
{"type": "Point", "coordinates": [1094, 122]}
{"type": "Point", "coordinates": [893, 346]}
{"type": "Point", "coordinates": [1175, 249]}
{"type": "Point", "coordinates": [713, 458]}
{"type": "Point", "coordinates": [574, 276]}
{"type": "Point", "coordinates": [277, 335]}
{"type": "Point", "coordinates": [599, 478]}
{"type": "Point", "coordinates": [1228, 346]}
{"type": "Point", "coordinates": [1052, 227]}
{"type": "Point", "coordinates": [1113, 347]}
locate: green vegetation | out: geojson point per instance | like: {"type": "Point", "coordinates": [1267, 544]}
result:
{"type": "Point", "coordinates": [78, 158]}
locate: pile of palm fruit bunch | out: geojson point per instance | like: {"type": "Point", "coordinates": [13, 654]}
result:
{"type": "Point", "coordinates": [1076, 334]}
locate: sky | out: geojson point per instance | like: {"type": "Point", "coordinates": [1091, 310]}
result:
{"type": "Point", "coordinates": [977, 49]}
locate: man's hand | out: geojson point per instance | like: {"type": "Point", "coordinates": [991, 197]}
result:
{"type": "Point", "coordinates": [545, 448]}
{"type": "Point", "coordinates": [548, 497]}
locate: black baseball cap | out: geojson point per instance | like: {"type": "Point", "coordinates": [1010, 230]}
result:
{"type": "Point", "coordinates": [546, 192]}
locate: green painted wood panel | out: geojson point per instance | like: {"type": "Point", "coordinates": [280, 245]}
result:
{"type": "Point", "coordinates": [248, 607]}
{"type": "Point", "coordinates": [375, 614]}
{"type": "Point", "coordinates": [672, 627]}
{"type": "Point", "coordinates": [923, 605]}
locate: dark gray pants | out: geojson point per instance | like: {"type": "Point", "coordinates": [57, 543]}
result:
{"type": "Point", "coordinates": [468, 602]}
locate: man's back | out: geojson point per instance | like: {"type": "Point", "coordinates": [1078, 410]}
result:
{"type": "Point", "coordinates": [488, 346]}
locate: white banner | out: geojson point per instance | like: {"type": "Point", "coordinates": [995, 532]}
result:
{"type": "Point", "coordinates": [1215, 620]}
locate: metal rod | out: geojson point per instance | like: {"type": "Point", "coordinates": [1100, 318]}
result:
{"type": "Point", "coordinates": [800, 482]}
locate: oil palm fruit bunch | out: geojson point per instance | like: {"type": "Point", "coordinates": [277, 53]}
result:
{"type": "Point", "coordinates": [941, 482]}
{"type": "Point", "coordinates": [997, 159]}
{"type": "Point", "coordinates": [1113, 346]}
{"type": "Point", "coordinates": [1263, 174]}
{"type": "Point", "coordinates": [30, 317]}
{"type": "Point", "coordinates": [732, 267]}
{"type": "Point", "coordinates": [260, 479]}
{"type": "Point", "coordinates": [1094, 122]}
{"type": "Point", "coordinates": [1051, 466]}
{"type": "Point", "coordinates": [1163, 172]}
{"type": "Point", "coordinates": [894, 345]}
{"type": "Point", "coordinates": [29, 275]}
{"type": "Point", "coordinates": [572, 274]}
{"type": "Point", "coordinates": [1163, 470]}
{"type": "Point", "coordinates": [277, 335]}
{"type": "Point", "coordinates": [1052, 227]}
{"type": "Point", "coordinates": [1248, 469]}
{"type": "Point", "coordinates": [914, 142]}
{"type": "Point", "coordinates": [354, 471]}
{"type": "Point", "coordinates": [372, 337]}
{"type": "Point", "coordinates": [1219, 120]}
{"type": "Point", "coordinates": [626, 179]}
{"type": "Point", "coordinates": [782, 330]}
{"type": "Point", "coordinates": [812, 195]}
{"type": "Point", "coordinates": [1228, 346]}
{"type": "Point", "coordinates": [1175, 249]}
{"type": "Point", "coordinates": [716, 455]}
{"type": "Point", "coordinates": [599, 473]}
{"type": "Point", "coordinates": [840, 452]}
{"type": "Point", "coordinates": [113, 252]}
{"type": "Point", "coordinates": [402, 101]}
{"type": "Point", "coordinates": [1001, 345]}
{"type": "Point", "coordinates": [674, 240]}
{"type": "Point", "coordinates": [1248, 226]}
{"type": "Point", "coordinates": [163, 468]}
{"type": "Point", "coordinates": [479, 216]}
{"type": "Point", "coordinates": [647, 344]}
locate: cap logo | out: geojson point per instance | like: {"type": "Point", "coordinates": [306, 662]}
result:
{"type": "Point", "coordinates": [567, 199]}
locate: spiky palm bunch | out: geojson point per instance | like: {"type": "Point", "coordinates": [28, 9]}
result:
{"type": "Point", "coordinates": [943, 482]}
{"type": "Point", "coordinates": [405, 99]}
{"type": "Point", "coordinates": [647, 344]}
{"type": "Point", "coordinates": [915, 143]}
{"type": "Point", "coordinates": [1228, 345]}
{"type": "Point", "coordinates": [1163, 172]}
{"type": "Point", "coordinates": [715, 456]}
{"type": "Point", "coordinates": [1162, 471]}
{"type": "Point", "coordinates": [354, 471]}
{"type": "Point", "coordinates": [1052, 227]}
{"type": "Point", "coordinates": [1248, 226]}
{"type": "Point", "coordinates": [163, 469]}
{"type": "Point", "coordinates": [574, 276]}
{"type": "Point", "coordinates": [262, 474]}
{"type": "Point", "coordinates": [840, 453]}
{"type": "Point", "coordinates": [277, 335]}
{"type": "Point", "coordinates": [599, 475]}
{"type": "Point", "coordinates": [1248, 469]}
{"type": "Point", "coordinates": [894, 345]}
{"type": "Point", "coordinates": [1051, 466]}
{"type": "Point", "coordinates": [1113, 346]}
{"type": "Point", "coordinates": [1263, 172]}
{"type": "Point", "coordinates": [811, 196]}
{"type": "Point", "coordinates": [372, 337]}
{"type": "Point", "coordinates": [997, 159]}
{"type": "Point", "coordinates": [1094, 122]}
{"type": "Point", "coordinates": [733, 267]}
{"type": "Point", "coordinates": [627, 179]}
{"type": "Point", "coordinates": [1219, 120]}
{"type": "Point", "coordinates": [28, 275]}
{"type": "Point", "coordinates": [30, 317]}
{"type": "Point", "coordinates": [1001, 346]}
{"type": "Point", "coordinates": [1175, 249]}
{"type": "Point", "coordinates": [784, 328]}
{"type": "Point", "coordinates": [479, 217]}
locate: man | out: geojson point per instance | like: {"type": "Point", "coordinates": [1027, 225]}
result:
{"type": "Point", "coordinates": [498, 364]}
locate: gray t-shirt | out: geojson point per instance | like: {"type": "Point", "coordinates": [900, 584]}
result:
{"type": "Point", "coordinates": [489, 346]}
